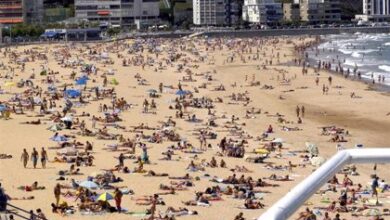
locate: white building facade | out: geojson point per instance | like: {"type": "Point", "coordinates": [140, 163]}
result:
{"type": "Point", "coordinates": [375, 10]}
{"type": "Point", "coordinates": [262, 11]}
{"type": "Point", "coordinates": [117, 12]}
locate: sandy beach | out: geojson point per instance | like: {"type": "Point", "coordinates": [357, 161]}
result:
{"type": "Point", "coordinates": [205, 90]}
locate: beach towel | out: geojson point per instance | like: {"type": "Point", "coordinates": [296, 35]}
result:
{"type": "Point", "coordinates": [137, 214]}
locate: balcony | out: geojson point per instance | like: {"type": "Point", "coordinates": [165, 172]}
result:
{"type": "Point", "coordinates": [11, 20]}
{"type": "Point", "coordinates": [10, 7]}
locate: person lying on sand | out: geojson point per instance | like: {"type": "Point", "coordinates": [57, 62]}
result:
{"type": "Point", "coordinates": [253, 204]}
{"type": "Point", "coordinates": [37, 122]}
{"type": "Point", "coordinates": [185, 177]}
{"type": "Point", "coordinates": [280, 178]}
{"type": "Point", "coordinates": [152, 173]}
{"type": "Point", "coordinates": [32, 187]}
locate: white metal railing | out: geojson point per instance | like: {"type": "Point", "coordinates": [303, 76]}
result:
{"type": "Point", "coordinates": [287, 206]}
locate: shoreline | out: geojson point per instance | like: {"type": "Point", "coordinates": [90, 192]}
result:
{"type": "Point", "coordinates": [380, 87]}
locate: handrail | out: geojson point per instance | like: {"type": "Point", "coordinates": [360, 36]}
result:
{"type": "Point", "coordinates": [16, 214]}
{"type": "Point", "coordinates": [22, 210]}
{"type": "Point", "coordinates": [294, 199]}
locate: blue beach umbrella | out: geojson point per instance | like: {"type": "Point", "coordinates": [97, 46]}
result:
{"type": "Point", "coordinates": [72, 93]}
{"type": "Point", "coordinates": [85, 77]}
{"type": "Point", "coordinates": [3, 108]}
{"type": "Point", "coordinates": [81, 81]}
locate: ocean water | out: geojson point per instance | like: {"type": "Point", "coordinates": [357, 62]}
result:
{"type": "Point", "coordinates": [368, 53]}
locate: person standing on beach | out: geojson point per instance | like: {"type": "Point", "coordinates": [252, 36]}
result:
{"type": "Point", "coordinates": [121, 159]}
{"type": "Point", "coordinates": [297, 111]}
{"type": "Point", "coordinates": [153, 208]}
{"type": "Point", "coordinates": [57, 193]}
{"type": "Point", "coordinates": [24, 157]}
{"type": "Point", "coordinates": [118, 199]}
{"type": "Point", "coordinates": [34, 157]}
{"type": "Point", "coordinates": [303, 111]}
{"type": "Point", "coordinates": [374, 186]}
{"type": "Point", "coordinates": [44, 157]}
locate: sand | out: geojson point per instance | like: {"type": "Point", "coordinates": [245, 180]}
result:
{"type": "Point", "coordinates": [365, 119]}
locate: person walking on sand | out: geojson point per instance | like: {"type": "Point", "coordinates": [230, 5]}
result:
{"type": "Point", "coordinates": [118, 199]}
{"type": "Point", "coordinates": [34, 157]}
{"type": "Point", "coordinates": [44, 157]}
{"type": "Point", "coordinates": [303, 111]}
{"type": "Point", "coordinates": [374, 186]}
{"type": "Point", "coordinates": [297, 111]}
{"type": "Point", "coordinates": [57, 193]}
{"type": "Point", "coordinates": [153, 208]}
{"type": "Point", "coordinates": [24, 157]}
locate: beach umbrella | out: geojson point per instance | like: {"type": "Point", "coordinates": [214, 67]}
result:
{"type": "Point", "coordinates": [105, 197]}
{"type": "Point", "coordinates": [72, 93]}
{"type": "Point", "coordinates": [84, 77]}
{"type": "Point", "coordinates": [54, 127]}
{"type": "Point", "coordinates": [81, 81]}
{"type": "Point", "coordinates": [277, 140]}
{"type": "Point", "coordinates": [371, 212]}
{"type": "Point", "coordinates": [9, 84]}
{"type": "Point", "coordinates": [317, 161]}
{"type": "Point", "coordinates": [312, 149]}
{"type": "Point", "coordinates": [114, 82]}
{"type": "Point", "coordinates": [52, 88]}
{"type": "Point", "coordinates": [182, 92]}
{"type": "Point", "coordinates": [59, 138]}
{"type": "Point", "coordinates": [69, 151]}
{"type": "Point", "coordinates": [104, 55]}
{"type": "Point", "coordinates": [37, 100]}
{"type": "Point", "coordinates": [3, 108]}
{"type": "Point", "coordinates": [89, 184]}
{"type": "Point", "coordinates": [152, 91]}
{"type": "Point", "coordinates": [67, 118]}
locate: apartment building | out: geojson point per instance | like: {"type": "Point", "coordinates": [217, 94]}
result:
{"type": "Point", "coordinates": [291, 12]}
{"type": "Point", "coordinates": [262, 11]}
{"type": "Point", "coordinates": [118, 12]}
{"type": "Point", "coordinates": [33, 11]}
{"type": "Point", "coordinates": [11, 12]}
{"type": "Point", "coordinates": [216, 12]}
{"type": "Point", "coordinates": [320, 11]}
{"type": "Point", "coordinates": [375, 10]}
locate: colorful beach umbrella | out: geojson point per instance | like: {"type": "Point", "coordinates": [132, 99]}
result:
{"type": "Point", "coordinates": [105, 197]}
{"type": "Point", "coordinates": [89, 184]}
